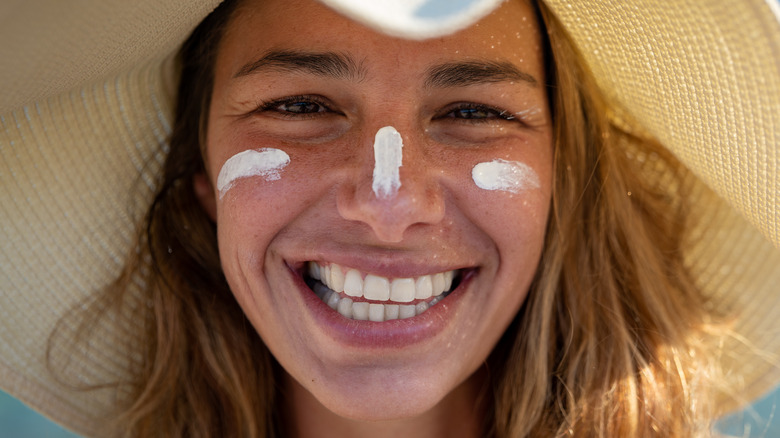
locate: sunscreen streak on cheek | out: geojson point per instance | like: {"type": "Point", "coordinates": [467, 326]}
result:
{"type": "Point", "coordinates": [507, 176]}
{"type": "Point", "coordinates": [388, 159]}
{"type": "Point", "coordinates": [266, 163]}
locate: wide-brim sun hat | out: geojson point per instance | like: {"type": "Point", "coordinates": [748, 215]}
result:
{"type": "Point", "coordinates": [86, 99]}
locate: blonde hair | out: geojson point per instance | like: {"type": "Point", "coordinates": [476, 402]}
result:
{"type": "Point", "coordinates": [607, 344]}
{"type": "Point", "coordinates": [611, 339]}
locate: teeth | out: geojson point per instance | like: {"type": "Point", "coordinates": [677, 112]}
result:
{"type": "Point", "coordinates": [320, 289]}
{"type": "Point", "coordinates": [353, 284]}
{"type": "Point", "coordinates": [345, 308]}
{"type": "Point", "coordinates": [333, 300]}
{"type": "Point", "coordinates": [314, 271]}
{"type": "Point", "coordinates": [402, 290]}
{"type": "Point", "coordinates": [366, 311]}
{"type": "Point", "coordinates": [376, 312]}
{"type": "Point", "coordinates": [360, 311]}
{"type": "Point", "coordinates": [335, 282]}
{"type": "Point", "coordinates": [448, 277]}
{"type": "Point", "coordinates": [424, 287]}
{"type": "Point", "coordinates": [391, 311]}
{"type": "Point", "coordinates": [438, 284]}
{"type": "Point", "coordinates": [406, 311]}
{"type": "Point", "coordinates": [375, 288]}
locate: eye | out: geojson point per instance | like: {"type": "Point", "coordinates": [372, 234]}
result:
{"type": "Point", "coordinates": [295, 107]}
{"type": "Point", "coordinates": [301, 107]}
{"type": "Point", "coordinates": [475, 113]}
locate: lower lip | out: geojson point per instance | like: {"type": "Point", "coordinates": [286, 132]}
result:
{"type": "Point", "coordinates": [396, 333]}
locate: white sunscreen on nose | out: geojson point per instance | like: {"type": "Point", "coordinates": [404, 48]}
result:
{"type": "Point", "coordinates": [507, 176]}
{"type": "Point", "coordinates": [387, 160]}
{"type": "Point", "coordinates": [266, 163]}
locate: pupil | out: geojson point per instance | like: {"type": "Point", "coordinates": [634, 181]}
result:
{"type": "Point", "coordinates": [301, 107]}
{"type": "Point", "coordinates": [472, 113]}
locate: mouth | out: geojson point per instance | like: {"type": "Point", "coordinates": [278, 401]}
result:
{"type": "Point", "coordinates": [367, 297]}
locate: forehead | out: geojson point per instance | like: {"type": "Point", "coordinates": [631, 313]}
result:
{"type": "Point", "coordinates": [511, 33]}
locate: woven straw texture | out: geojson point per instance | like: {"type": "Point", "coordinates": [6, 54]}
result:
{"type": "Point", "coordinates": [85, 110]}
{"type": "Point", "coordinates": [85, 107]}
{"type": "Point", "coordinates": [704, 78]}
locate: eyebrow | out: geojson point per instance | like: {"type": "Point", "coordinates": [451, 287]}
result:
{"type": "Point", "coordinates": [336, 65]}
{"type": "Point", "coordinates": [328, 64]}
{"type": "Point", "coordinates": [460, 74]}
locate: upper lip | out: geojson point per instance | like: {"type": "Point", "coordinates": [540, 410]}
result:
{"type": "Point", "coordinates": [409, 260]}
{"type": "Point", "coordinates": [387, 266]}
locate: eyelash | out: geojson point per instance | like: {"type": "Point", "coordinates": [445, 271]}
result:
{"type": "Point", "coordinates": [275, 106]}
{"type": "Point", "coordinates": [466, 109]}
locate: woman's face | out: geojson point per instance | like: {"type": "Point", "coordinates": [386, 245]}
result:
{"type": "Point", "coordinates": [306, 92]}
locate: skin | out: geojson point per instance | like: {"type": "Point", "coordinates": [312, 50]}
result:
{"type": "Point", "coordinates": [406, 379]}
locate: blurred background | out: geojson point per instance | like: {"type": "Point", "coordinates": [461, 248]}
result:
{"type": "Point", "coordinates": [759, 420]}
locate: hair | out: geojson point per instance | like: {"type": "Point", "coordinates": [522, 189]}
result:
{"type": "Point", "coordinates": [608, 343]}
{"type": "Point", "coordinates": [611, 340]}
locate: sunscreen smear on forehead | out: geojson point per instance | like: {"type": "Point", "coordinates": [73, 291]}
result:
{"type": "Point", "coordinates": [388, 159]}
{"type": "Point", "coordinates": [507, 176]}
{"type": "Point", "coordinates": [266, 163]}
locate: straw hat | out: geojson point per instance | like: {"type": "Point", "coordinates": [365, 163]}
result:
{"type": "Point", "coordinates": [86, 94]}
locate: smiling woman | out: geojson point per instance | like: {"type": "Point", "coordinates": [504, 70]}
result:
{"type": "Point", "coordinates": [399, 273]}
{"type": "Point", "coordinates": [357, 231]}
{"type": "Point", "coordinates": [385, 309]}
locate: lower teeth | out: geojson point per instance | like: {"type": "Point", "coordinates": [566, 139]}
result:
{"type": "Point", "coordinates": [364, 311]}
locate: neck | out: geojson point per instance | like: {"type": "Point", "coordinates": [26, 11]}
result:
{"type": "Point", "coordinates": [459, 415]}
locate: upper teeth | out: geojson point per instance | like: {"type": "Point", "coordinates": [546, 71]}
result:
{"type": "Point", "coordinates": [373, 287]}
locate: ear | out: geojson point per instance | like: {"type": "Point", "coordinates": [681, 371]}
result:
{"type": "Point", "coordinates": [204, 191]}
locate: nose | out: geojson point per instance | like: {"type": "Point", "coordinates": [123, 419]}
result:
{"type": "Point", "coordinates": [373, 195]}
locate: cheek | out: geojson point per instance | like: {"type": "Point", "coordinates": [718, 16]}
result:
{"type": "Point", "coordinates": [510, 200]}
{"type": "Point", "coordinates": [265, 164]}
{"type": "Point", "coordinates": [260, 193]}
{"type": "Point", "coordinates": [517, 187]}
{"type": "Point", "coordinates": [505, 176]}
{"type": "Point", "coordinates": [514, 219]}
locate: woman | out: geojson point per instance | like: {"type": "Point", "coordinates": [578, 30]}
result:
{"type": "Point", "coordinates": [356, 234]}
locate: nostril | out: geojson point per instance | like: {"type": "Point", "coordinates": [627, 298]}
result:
{"type": "Point", "coordinates": [390, 218]}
